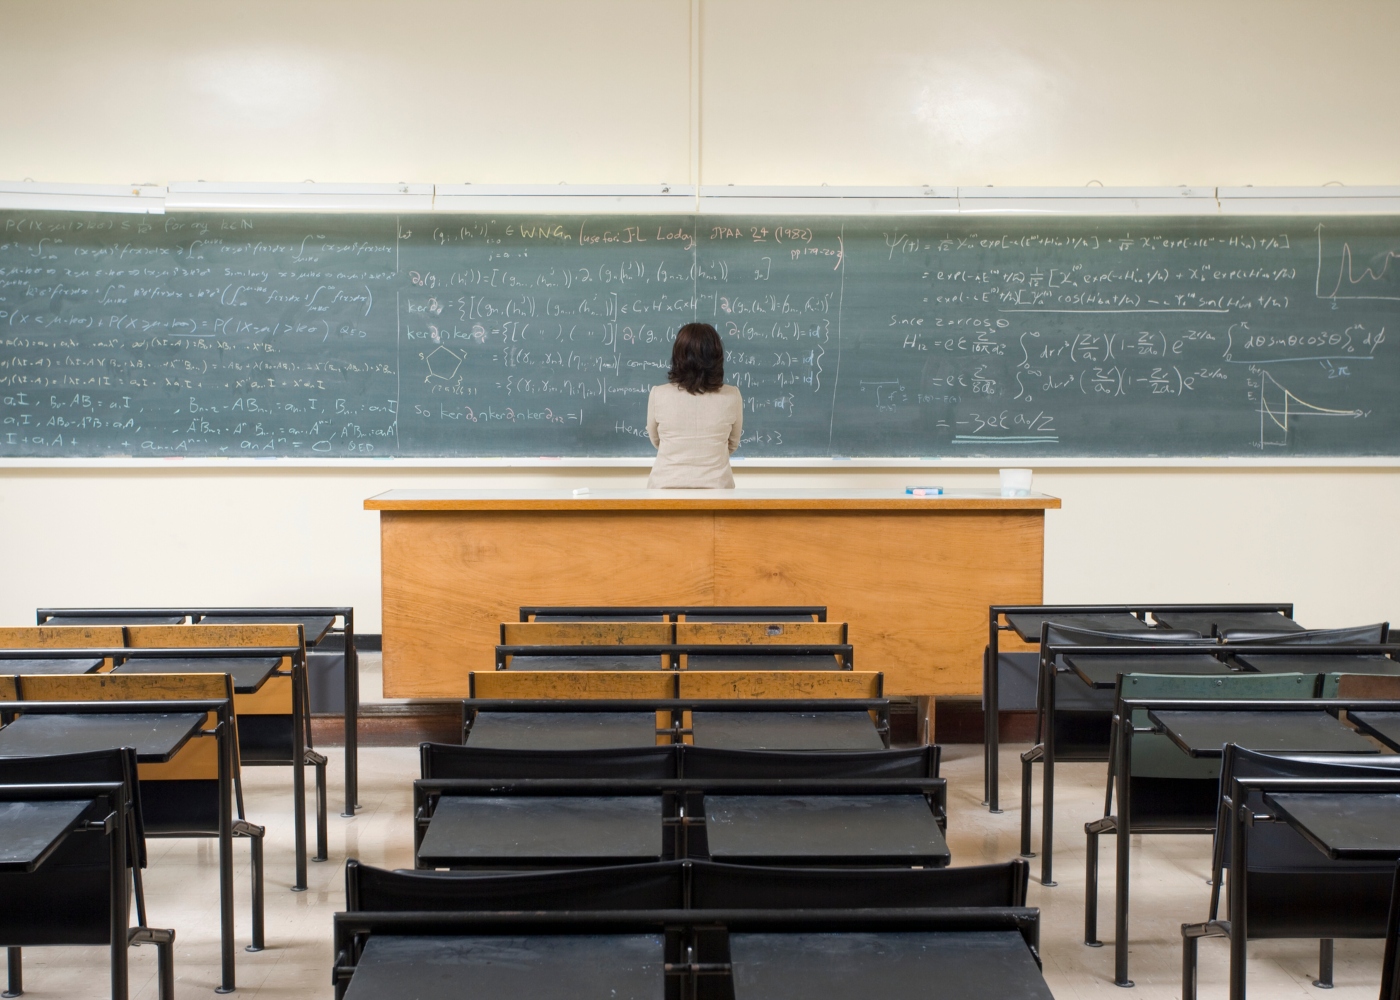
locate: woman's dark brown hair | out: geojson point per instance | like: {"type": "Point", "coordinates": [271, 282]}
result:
{"type": "Point", "coordinates": [697, 359]}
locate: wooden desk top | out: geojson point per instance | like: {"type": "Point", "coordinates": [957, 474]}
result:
{"type": "Point", "coordinates": [596, 500]}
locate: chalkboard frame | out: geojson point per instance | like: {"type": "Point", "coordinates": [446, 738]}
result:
{"type": "Point", "coordinates": [1018, 203]}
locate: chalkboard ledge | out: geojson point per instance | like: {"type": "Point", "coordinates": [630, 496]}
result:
{"type": "Point", "coordinates": [738, 499]}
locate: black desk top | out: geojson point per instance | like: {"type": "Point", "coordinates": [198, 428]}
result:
{"type": "Point", "coordinates": [538, 967]}
{"type": "Point", "coordinates": [758, 661]}
{"type": "Point", "coordinates": [849, 829]}
{"type": "Point", "coordinates": [749, 618]}
{"type": "Point", "coordinates": [1028, 626]}
{"type": "Point", "coordinates": [786, 731]}
{"type": "Point", "coordinates": [1204, 734]}
{"type": "Point", "coordinates": [1384, 726]}
{"type": "Point", "coordinates": [313, 627]}
{"type": "Point", "coordinates": [116, 620]}
{"type": "Point", "coordinates": [543, 830]}
{"type": "Point", "coordinates": [891, 965]}
{"type": "Point", "coordinates": [156, 738]}
{"type": "Point", "coordinates": [609, 661]}
{"type": "Point", "coordinates": [1210, 623]}
{"type": "Point", "coordinates": [1316, 661]}
{"type": "Point", "coordinates": [1103, 671]}
{"type": "Point", "coordinates": [563, 730]}
{"type": "Point", "coordinates": [29, 831]}
{"type": "Point", "coordinates": [8, 666]}
{"type": "Point", "coordinates": [1354, 826]}
{"type": "Point", "coordinates": [598, 618]}
{"type": "Point", "coordinates": [249, 673]}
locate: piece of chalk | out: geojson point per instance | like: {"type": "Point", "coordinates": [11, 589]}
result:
{"type": "Point", "coordinates": [924, 491]}
{"type": "Point", "coordinates": [581, 491]}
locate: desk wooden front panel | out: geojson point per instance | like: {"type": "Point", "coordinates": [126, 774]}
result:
{"type": "Point", "coordinates": [914, 586]}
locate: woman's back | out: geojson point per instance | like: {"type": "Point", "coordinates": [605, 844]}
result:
{"type": "Point", "coordinates": [694, 434]}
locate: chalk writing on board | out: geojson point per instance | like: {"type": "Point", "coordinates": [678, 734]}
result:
{"type": "Point", "coordinates": [382, 336]}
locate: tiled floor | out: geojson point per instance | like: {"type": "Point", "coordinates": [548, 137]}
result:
{"type": "Point", "coordinates": [1169, 889]}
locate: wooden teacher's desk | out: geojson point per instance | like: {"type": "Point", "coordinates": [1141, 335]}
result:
{"type": "Point", "coordinates": [913, 576]}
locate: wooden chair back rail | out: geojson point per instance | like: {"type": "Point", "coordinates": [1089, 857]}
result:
{"type": "Point", "coordinates": [562, 684]}
{"type": "Point", "coordinates": [666, 684]}
{"type": "Point", "coordinates": [781, 684]}
{"type": "Point", "coordinates": [190, 636]}
{"type": "Point", "coordinates": [123, 687]}
{"type": "Point", "coordinates": [1381, 687]}
{"type": "Point", "coordinates": [586, 633]}
{"type": "Point", "coordinates": [761, 633]}
{"type": "Point", "coordinates": [62, 637]}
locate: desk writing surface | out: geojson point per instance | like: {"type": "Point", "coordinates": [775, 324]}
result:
{"type": "Point", "coordinates": [890, 965]}
{"type": "Point", "coordinates": [1317, 661]}
{"type": "Point", "coordinates": [313, 627]}
{"type": "Point", "coordinates": [562, 730]}
{"type": "Point", "coordinates": [1384, 726]}
{"type": "Point", "coordinates": [249, 673]}
{"type": "Point", "coordinates": [847, 829]}
{"type": "Point", "coordinates": [1027, 626]}
{"type": "Point", "coordinates": [116, 620]}
{"type": "Point", "coordinates": [511, 967]}
{"type": "Point", "coordinates": [30, 830]}
{"type": "Point", "coordinates": [44, 666]}
{"type": "Point", "coordinates": [1210, 623]}
{"type": "Point", "coordinates": [1204, 734]}
{"type": "Point", "coordinates": [1102, 671]}
{"type": "Point", "coordinates": [1358, 826]}
{"type": "Point", "coordinates": [156, 737]}
{"type": "Point", "coordinates": [891, 499]}
{"type": "Point", "coordinates": [606, 660]}
{"type": "Point", "coordinates": [535, 830]}
{"type": "Point", "coordinates": [786, 731]}
{"type": "Point", "coordinates": [760, 661]}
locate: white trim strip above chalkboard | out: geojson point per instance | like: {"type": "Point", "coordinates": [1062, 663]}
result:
{"type": "Point", "coordinates": [585, 199]}
{"type": "Point", "coordinates": [740, 464]}
{"type": "Point", "coordinates": [139, 199]}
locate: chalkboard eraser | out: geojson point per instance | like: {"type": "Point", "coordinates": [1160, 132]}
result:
{"type": "Point", "coordinates": [924, 491]}
{"type": "Point", "coordinates": [582, 491]}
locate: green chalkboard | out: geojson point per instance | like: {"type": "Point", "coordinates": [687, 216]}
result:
{"type": "Point", "coordinates": [491, 335]}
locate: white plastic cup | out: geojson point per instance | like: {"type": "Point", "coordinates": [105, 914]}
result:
{"type": "Point", "coordinates": [1015, 482]}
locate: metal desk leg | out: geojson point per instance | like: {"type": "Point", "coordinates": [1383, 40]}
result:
{"type": "Point", "coordinates": [352, 723]}
{"type": "Point", "coordinates": [226, 930]}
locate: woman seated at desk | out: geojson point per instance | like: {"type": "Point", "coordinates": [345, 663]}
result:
{"type": "Point", "coordinates": [694, 420]}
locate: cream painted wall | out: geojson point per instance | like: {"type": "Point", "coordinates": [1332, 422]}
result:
{"type": "Point", "coordinates": [1010, 92]}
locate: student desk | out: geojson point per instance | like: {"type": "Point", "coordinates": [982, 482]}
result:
{"type": "Point", "coordinates": [1344, 826]}
{"type": "Point", "coordinates": [824, 830]}
{"type": "Point", "coordinates": [1209, 624]}
{"type": "Point", "coordinates": [249, 673]}
{"type": "Point", "coordinates": [523, 830]}
{"type": "Point", "coordinates": [1204, 734]}
{"type": "Point", "coordinates": [509, 967]}
{"type": "Point", "coordinates": [1316, 660]}
{"type": "Point", "coordinates": [562, 730]}
{"type": "Point", "coordinates": [83, 666]}
{"type": "Point", "coordinates": [1102, 672]}
{"type": "Point", "coordinates": [892, 965]}
{"type": "Point", "coordinates": [31, 831]}
{"type": "Point", "coordinates": [157, 738]}
{"type": "Point", "coordinates": [913, 576]}
{"type": "Point", "coordinates": [786, 731]}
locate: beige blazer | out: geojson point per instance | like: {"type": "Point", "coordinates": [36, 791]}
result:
{"type": "Point", "coordinates": [694, 436]}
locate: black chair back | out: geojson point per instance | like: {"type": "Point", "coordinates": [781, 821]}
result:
{"type": "Point", "coordinates": [1356, 635]}
{"type": "Point", "coordinates": [446, 760]}
{"type": "Point", "coordinates": [713, 762]}
{"type": "Point", "coordinates": [659, 885]}
{"type": "Point", "coordinates": [717, 886]}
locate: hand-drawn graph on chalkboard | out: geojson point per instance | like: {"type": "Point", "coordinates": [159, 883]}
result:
{"type": "Point", "coordinates": [1342, 277]}
{"type": "Point", "coordinates": [496, 336]}
{"type": "Point", "coordinates": [1279, 408]}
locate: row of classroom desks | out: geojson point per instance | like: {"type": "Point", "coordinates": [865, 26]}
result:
{"type": "Point", "coordinates": [1171, 698]}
